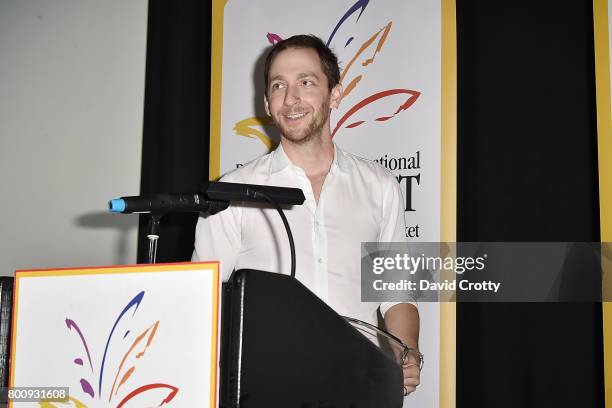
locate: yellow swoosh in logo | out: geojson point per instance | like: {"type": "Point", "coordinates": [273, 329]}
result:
{"type": "Point", "coordinates": [244, 128]}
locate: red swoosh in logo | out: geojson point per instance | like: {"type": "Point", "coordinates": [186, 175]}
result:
{"type": "Point", "coordinates": [411, 99]}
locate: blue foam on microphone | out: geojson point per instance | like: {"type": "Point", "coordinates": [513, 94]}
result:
{"type": "Point", "coordinates": [116, 205]}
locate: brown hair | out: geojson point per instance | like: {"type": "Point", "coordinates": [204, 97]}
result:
{"type": "Point", "coordinates": [329, 61]}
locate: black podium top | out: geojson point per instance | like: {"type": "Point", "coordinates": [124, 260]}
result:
{"type": "Point", "coordinates": [282, 346]}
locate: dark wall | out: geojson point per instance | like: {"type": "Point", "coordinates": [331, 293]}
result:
{"type": "Point", "coordinates": [527, 172]}
{"type": "Point", "coordinates": [176, 117]}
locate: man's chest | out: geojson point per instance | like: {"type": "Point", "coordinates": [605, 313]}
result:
{"type": "Point", "coordinates": [340, 217]}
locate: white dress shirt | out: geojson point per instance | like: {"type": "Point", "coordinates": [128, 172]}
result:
{"type": "Point", "coordinates": [360, 201]}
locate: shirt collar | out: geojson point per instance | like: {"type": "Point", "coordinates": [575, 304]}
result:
{"type": "Point", "coordinates": [280, 160]}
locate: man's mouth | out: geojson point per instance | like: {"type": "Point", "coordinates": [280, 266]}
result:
{"type": "Point", "coordinates": [295, 116]}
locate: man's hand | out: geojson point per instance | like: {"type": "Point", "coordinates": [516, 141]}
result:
{"type": "Point", "coordinates": [402, 320]}
{"type": "Point", "coordinates": [412, 373]}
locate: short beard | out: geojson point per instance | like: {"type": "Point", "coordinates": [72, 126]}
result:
{"type": "Point", "coordinates": [314, 129]}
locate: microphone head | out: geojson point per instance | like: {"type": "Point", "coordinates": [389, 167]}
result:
{"type": "Point", "coordinates": [116, 205]}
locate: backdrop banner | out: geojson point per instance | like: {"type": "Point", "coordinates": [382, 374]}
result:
{"type": "Point", "coordinates": [390, 54]}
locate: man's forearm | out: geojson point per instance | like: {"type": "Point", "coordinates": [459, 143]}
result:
{"type": "Point", "coordinates": [402, 320]}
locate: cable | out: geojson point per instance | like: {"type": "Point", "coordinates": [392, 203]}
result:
{"type": "Point", "coordinates": [287, 228]}
{"type": "Point", "coordinates": [376, 329]}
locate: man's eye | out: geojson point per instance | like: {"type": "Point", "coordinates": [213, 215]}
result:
{"type": "Point", "coordinates": [276, 86]}
{"type": "Point", "coordinates": [307, 82]}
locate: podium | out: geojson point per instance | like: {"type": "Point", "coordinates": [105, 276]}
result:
{"type": "Point", "coordinates": [281, 346]}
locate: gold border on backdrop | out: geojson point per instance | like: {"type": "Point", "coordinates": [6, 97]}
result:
{"type": "Point", "coordinates": [127, 269]}
{"type": "Point", "coordinates": [216, 74]}
{"type": "Point", "coordinates": [448, 196]}
{"type": "Point", "coordinates": [448, 182]}
{"type": "Point", "coordinates": [604, 151]}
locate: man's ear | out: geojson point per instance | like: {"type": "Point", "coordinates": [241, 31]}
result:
{"type": "Point", "coordinates": [336, 96]}
{"type": "Point", "coordinates": [267, 105]}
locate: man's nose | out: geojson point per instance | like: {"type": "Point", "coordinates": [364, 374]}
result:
{"type": "Point", "coordinates": [292, 96]}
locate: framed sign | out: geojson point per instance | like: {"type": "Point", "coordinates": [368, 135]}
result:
{"type": "Point", "coordinates": [130, 336]}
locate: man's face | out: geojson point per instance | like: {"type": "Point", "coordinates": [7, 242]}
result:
{"type": "Point", "coordinates": [298, 98]}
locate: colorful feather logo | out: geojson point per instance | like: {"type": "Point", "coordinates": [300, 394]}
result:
{"type": "Point", "coordinates": [354, 116]}
{"type": "Point", "coordinates": [136, 351]}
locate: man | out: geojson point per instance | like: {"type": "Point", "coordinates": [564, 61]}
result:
{"type": "Point", "coordinates": [349, 200]}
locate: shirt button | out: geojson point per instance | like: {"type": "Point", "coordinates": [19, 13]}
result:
{"type": "Point", "coordinates": [320, 260]}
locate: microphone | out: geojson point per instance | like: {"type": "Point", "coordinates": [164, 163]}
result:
{"type": "Point", "coordinates": [215, 197]}
{"type": "Point", "coordinates": [165, 203]}
{"type": "Point", "coordinates": [217, 190]}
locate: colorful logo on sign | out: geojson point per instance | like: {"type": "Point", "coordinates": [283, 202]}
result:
{"type": "Point", "coordinates": [140, 343]}
{"type": "Point", "coordinates": [364, 56]}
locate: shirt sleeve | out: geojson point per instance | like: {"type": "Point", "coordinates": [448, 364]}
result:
{"type": "Point", "coordinates": [218, 238]}
{"type": "Point", "coordinates": [393, 227]}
